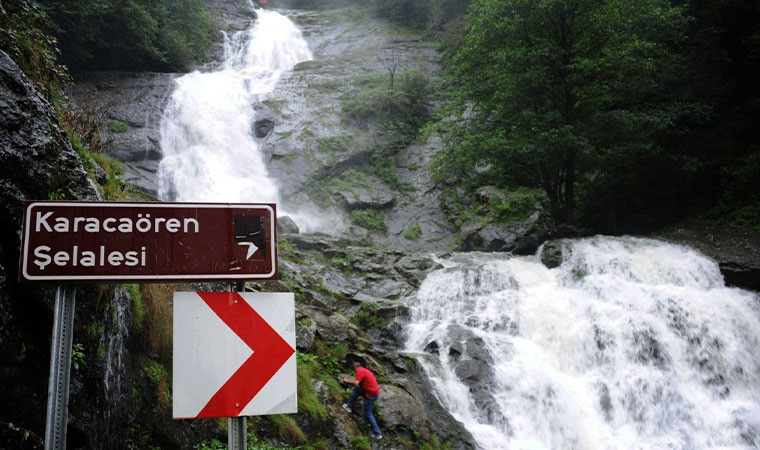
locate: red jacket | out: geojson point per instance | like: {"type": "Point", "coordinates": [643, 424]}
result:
{"type": "Point", "coordinates": [367, 382]}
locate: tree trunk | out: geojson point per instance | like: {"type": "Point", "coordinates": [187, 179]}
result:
{"type": "Point", "coordinates": [569, 188]}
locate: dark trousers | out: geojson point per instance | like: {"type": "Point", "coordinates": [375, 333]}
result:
{"type": "Point", "coordinates": [369, 402]}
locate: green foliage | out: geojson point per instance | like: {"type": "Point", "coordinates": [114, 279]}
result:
{"type": "Point", "coordinates": [360, 443]}
{"type": "Point", "coordinates": [502, 206]}
{"type": "Point", "coordinates": [413, 233]}
{"type": "Point", "coordinates": [84, 153]}
{"type": "Point", "coordinates": [77, 356]}
{"type": "Point", "coordinates": [117, 126]}
{"type": "Point", "coordinates": [367, 316]}
{"type": "Point", "coordinates": [333, 144]}
{"type": "Point", "coordinates": [211, 444]}
{"type": "Point", "coordinates": [561, 90]}
{"type": "Point", "coordinates": [95, 329]}
{"type": "Point", "coordinates": [131, 34]}
{"type": "Point", "coordinates": [411, 13]}
{"type": "Point", "coordinates": [25, 34]}
{"type": "Point", "coordinates": [397, 112]}
{"type": "Point", "coordinates": [371, 219]}
{"type": "Point", "coordinates": [137, 306]}
{"type": "Point", "coordinates": [307, 397]}
{"type": "Point", "coordinates": [306, 321]}
{"type": "Point", "coordinates": [344, 262]}
{"type": "Point", "coordinates": [435, 444]}
{"type": "Point", "coordinates": [288, 429]}
{"type": "Point", "coordinates": [578, 274]}
{"type": "Point", "coordinates": [57, 194]}
{"type": "Point", "coordinates": [159, 380]}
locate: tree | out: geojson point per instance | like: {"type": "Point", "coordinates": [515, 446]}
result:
{"type": "Point", "coordinates": [558, 93]}
{"type": "Point", "coordinates": [131, 34]}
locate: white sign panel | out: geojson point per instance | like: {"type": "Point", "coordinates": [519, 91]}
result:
{"type": "Point", "coordinates": [234, 354]}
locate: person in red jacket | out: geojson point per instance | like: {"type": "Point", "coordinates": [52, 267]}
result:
{"type": "Point", "coordinates": [365, 383]}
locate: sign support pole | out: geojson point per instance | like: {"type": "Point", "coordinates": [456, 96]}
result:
{"type": "Point", "coordinates": [60, 368]}
{"type": "Point", "coordinates": [236, 426]}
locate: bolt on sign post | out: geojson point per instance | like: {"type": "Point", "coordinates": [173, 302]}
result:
{"type": "Point", "coordinates": [110, 242]}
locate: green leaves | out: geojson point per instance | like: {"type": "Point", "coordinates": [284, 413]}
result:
{"type": "Point", "coordinates": [551, 91]}
{"type": "Point", "coordinates": [131, 34]}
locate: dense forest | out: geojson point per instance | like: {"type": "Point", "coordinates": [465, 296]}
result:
{"type": "Point", "coordinates": [622, 116]}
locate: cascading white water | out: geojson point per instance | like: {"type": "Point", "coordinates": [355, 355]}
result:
{"type": "Point", "coordinates": [629, 344]}
{"type": "Point", "coordinates": [210, 153]}
{"type": "Point", "coordinates": [113, 342]}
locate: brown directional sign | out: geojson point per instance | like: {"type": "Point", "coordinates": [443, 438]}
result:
{"type": "Point", "coordinates": [116, 242]}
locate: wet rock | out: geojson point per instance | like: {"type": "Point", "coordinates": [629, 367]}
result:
{"type": "Point", "coordinates": [415, 267]}
{"type": "Point", "coordinates": [286, 225]}
{"type": "Point", "coordinates": [372, 193]}
{"type": "Point", "coordinates": [520, 236]}
{"type": "Point", "coordinates": [37, 162]}
{"type": "Point", "coordinates": [488, 194]}
{"type": "Point", "coordinates": [422, 208]}
{"type": "Point", "coordinates": [736, 252]}
{"type": "Point", "coordinates": [551, 254]}
{"type": "Point", "coordinates": [433, 348]}
{"type": "Point", "coordinates": [399, 408]}
{"type": "Point", "coordinates": [36, 159]}
{"type": "Point", "coordinates": [317, 241]}
{"type": "Point", "coordinates": [263, 128]}
{"type": "Point", "coordinates": [332, 328]}
{"type": "Point", "coordinates": [129, 107]}
{"type": "Point", "coordinates": [338, 283]}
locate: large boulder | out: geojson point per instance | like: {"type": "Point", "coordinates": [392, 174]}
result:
{"type": "Point", "coordinates": [372, 193]}
{"type": "Point", "coordinates": [520, 236]}
{"type": "Point", "coordinates": [400, 409]}
{"type": "Point", "coordinates": [551, 254]}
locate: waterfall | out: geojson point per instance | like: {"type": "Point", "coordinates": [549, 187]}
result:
{"type": "Point", "coordinates": [628, 344]}
{"type": "Point", "coordinates": [111, 350]}
{"type": "Point", "coordinates": [210, 153]}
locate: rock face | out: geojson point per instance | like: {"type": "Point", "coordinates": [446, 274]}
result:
{"type": "Point", "coordinates": [37, 162]}
{"type": "Point", "coordinates": [736, 252]}
{"type": "Point", "coordinates": [129, 107]}
{"type": "Point", "coordinates": [362, 306]}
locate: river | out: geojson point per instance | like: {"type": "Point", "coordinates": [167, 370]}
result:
{"type": "Point", "coordinates": [629, 344]}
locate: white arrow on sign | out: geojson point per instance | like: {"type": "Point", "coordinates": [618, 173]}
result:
{"type": "Point", "coordinates": [234, 354]}
{"type": "Point", "coordinates": [251, 249]}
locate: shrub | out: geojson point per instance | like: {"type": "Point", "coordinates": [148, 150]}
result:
{"type": "Point", "coordinates": [360, 443]}
{"type": "Point", "coordinates": [288, 429]}
{"type": "Point", "coordinates": [307, 397]}
{"type": "Point", "coordinates": [117, 126]}
{"type": "Point", "coordinates": [159, 379]}
{"type": "Point", "coordinates": [367, 316]}
{"type": "Point", "coordinates": [371, 219]}
{"type": "Point", "coordinates": [413, 233]}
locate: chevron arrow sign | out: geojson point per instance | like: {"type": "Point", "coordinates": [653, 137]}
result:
{"type": "Point", "coordinates": [234, 354]}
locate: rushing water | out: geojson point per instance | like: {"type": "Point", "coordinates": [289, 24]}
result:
{"type": "Point", "coordinates": [112, 345]}
{"type": "Point", "coordinates": [210, 153]}
{"type": "Point", "coordinates": [629, 344]}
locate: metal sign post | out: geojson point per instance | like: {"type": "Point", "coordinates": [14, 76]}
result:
{"type": "Point", "coordinates": [60, 365]}
{"type": "Point", "coordinates": [236, 435]}
{"type": "Point", "coordinates": [236, 426]}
